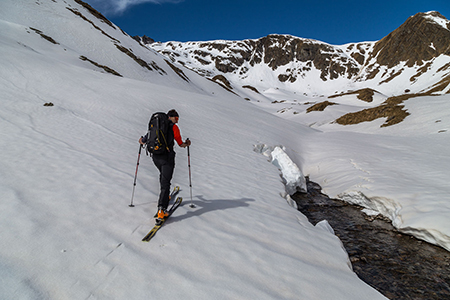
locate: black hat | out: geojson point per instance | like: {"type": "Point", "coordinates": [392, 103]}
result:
{"type": "Point", "coordinates": [172, 113]}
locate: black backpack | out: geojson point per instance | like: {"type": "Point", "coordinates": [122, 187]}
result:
{"type": "Point", "coordinates": [158, 136]}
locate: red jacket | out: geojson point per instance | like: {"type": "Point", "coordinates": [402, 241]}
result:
{"type": "Point", "coordinates": [177, 134]}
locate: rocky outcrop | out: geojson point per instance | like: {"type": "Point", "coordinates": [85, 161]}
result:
{"type": "Point", "coordinates": [417, 42]}
{"type": "Point", "coordinates": [421, 38]}
{"type": "Point", "coordinates": [275, 51]}
{"type": "Point", "coordinates": [280, 50]}
{"type": "Point", "coordinates": [144, 39]}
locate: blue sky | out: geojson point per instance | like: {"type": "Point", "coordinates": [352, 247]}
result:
{"type": "Point", "coordinates": [333, 21]}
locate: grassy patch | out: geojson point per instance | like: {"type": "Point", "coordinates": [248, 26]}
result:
{"type": "Point", "coordinates": [362, 94]}
{"type": "Point", "coordinates": [107, 69]}
{"type": "Point", "coordinates": [320, 106]}
{"type": "Point", "coordinates": [151, 67]}
{"type": "Point", "coordinates": [420, 72]}
{"type": "Point", "coordinates": [441, 85]}
{"type": "Point", "coordinates": [391, 109]}
{"type": "Point", "coordinates": [250, 88]}
{"type": "Point", "coordinates": [178, 71]}
{"type": "Point", "coordinates": [391, 76]}
{"type": "Point", "coordinates": [44, 36]}
{"type": "Point", "coordinates": [92, 23]}
{"type": "Point", "coordinates": [222, 80]}
{"type": "Point", "coordinates": [95, 13]}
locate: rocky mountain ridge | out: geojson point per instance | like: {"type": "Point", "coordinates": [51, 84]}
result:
{"type": "Point", "coordinates": [412, 60]}
{"type": "Point", "coordinates": [291, 58]}
{"type": "Point", "coordinates": [415, 46]}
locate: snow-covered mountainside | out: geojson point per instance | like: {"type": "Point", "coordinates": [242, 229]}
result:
{"type": "Point", "coordinates": [76, 93]}
{"type": "Point", "coordinates": [415, 55]}
{"type": "Point", "coordinates": [412, 60]}
{"type": "Point", "coordinates": [275, 61]}
{"type": "Point", "coordinates": [80, 36]}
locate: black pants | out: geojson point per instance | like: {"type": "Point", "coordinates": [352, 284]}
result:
{"type": "Point", "coordinates": [165, 164]}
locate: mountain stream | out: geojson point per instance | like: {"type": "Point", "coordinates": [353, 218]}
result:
{"type": "Point", "coordinates": [399, 266]}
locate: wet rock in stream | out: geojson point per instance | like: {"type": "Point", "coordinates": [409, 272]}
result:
{"type": "Point", "coordinates": [397, 265]}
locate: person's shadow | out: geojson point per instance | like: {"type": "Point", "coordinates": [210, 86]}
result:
{"type": "Point", "coordinates": [203, 206]}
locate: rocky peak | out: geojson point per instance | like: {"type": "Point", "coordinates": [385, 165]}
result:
{"type": "Point", "coordinates": [292, 57]}
{"type": "Point", "coordinates": [280, 50]}
{"type": "Point", "coordinates": [144, 39]}
{"type": "Point", "coordinates": [421, 38]}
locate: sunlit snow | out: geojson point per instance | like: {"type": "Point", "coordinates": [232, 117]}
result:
{"type": "Point", "coordinates": [67, 174]}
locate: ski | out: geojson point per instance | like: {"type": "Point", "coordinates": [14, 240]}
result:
{"type": "Point", "coordinates": [172, 195]}
{"type": "Point", "coordinates": [152, 232]}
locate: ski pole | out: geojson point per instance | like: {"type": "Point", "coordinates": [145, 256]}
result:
{"type": "Point", "coordinates": [190, 181]}
{"type": "Point", "coordinates": [135, 176]}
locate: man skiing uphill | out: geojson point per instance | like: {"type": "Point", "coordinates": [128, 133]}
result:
{"type": "Point", "coordinates": [164, 130]}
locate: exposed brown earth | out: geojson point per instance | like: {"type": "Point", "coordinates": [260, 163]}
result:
{"type": "Point", "coordinates": [415, 41]}
{"type": "Point", "coordinates": [392, 109]}
{"type": "Point", "coordinates": [320, 106]}
{"type": "Point", "coordinates": [362, 94]}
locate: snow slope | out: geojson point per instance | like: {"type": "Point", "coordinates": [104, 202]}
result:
{"type": "Point", "coordinates": [399, 171]}
{"type": "Point", "coordinates": [67, 171]}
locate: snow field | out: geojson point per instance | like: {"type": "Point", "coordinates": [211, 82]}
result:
{"type": "Point", "coordinates": [67, 171]}
{"type": "Point", "coordinates": [66, 175]}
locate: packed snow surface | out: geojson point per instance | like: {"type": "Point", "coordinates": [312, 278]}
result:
{"type": "Point", "coordinates": [67, 174]}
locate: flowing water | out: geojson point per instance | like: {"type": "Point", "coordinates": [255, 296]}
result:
{"type": "Point", "coordinates": [397, 265]}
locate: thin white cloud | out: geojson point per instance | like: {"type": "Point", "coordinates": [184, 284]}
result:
{"type": "Point", "coordinates": [117, 7]}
